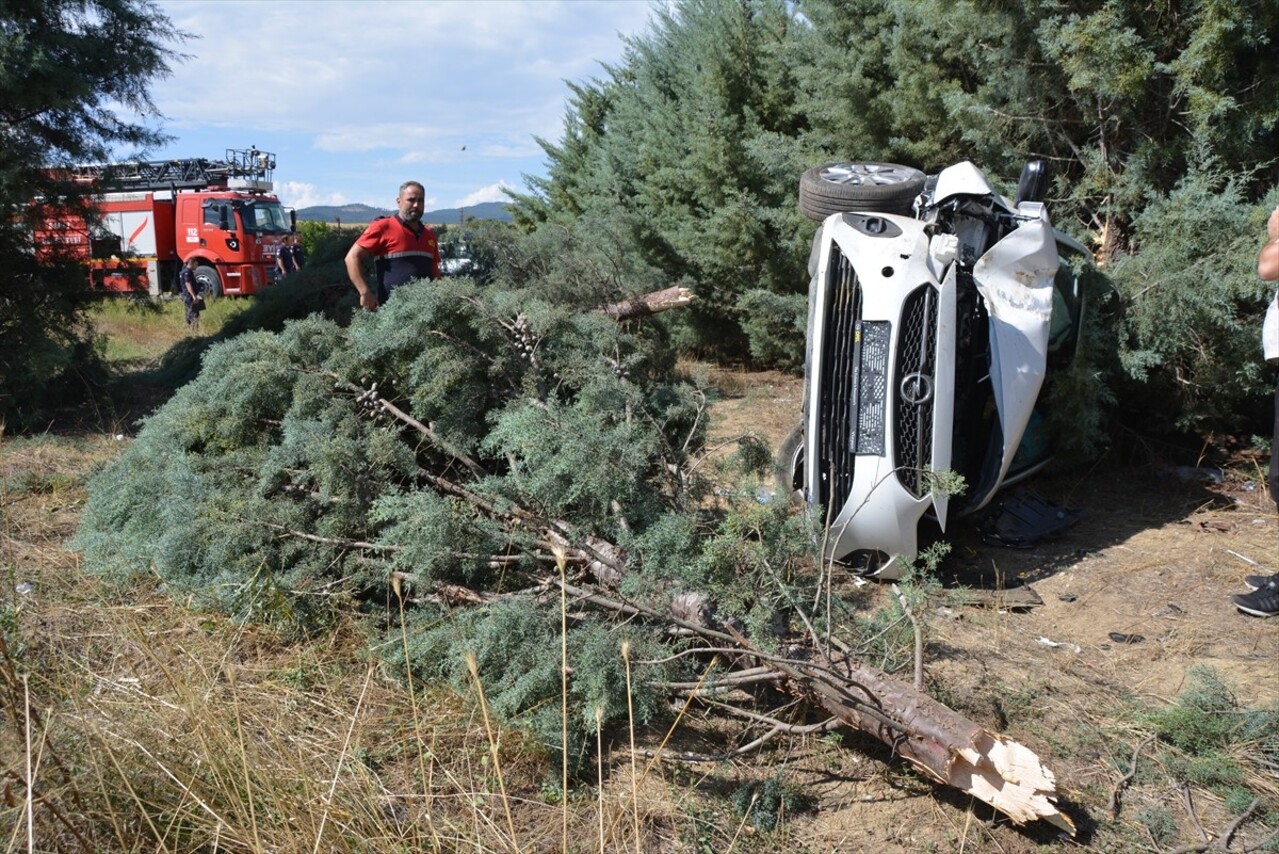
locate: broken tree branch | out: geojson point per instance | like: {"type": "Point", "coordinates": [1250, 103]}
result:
{"type": "Point", "coordinates": [1223, 841]}
{"type": "Point", "coordinates": [936, 739]}
{"type": "Point", "coordinates": [370, 397]}
{"type": "Point", "coordinates": [919, 637]}
{"type": "Point", "coordinates": [1117, 792]}
{"type": "Point", "coordinates": [1190, 810]}
{"type": "Point", "coordinates": [649, 304]}
{"type": "Point", "coordinates": [943, 744]}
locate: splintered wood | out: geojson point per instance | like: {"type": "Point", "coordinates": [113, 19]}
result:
{"type": "Point", "coordinates": [939, 741]}
{"type": "Point", "coordinates": [1009, 777]}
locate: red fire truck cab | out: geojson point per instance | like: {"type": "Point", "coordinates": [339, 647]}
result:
{"type": "Point", "coordinates": [154, 216]}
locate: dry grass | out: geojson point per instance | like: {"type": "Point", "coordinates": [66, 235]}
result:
{"type": "Point", "coordinates": [137, 332]}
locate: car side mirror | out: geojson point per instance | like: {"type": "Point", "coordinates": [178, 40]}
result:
{"type": "Point", "coordinates": [224, 218]}
{"type": "Point", "coordinates": [1033, 185]}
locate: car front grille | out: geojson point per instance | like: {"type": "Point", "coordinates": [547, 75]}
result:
{"type": "Point", "coordinates": [915, 390]}
{"type": "Point", "coordinates": [834, 450]}
{"type": "Point", "coordinates": [855, 388]}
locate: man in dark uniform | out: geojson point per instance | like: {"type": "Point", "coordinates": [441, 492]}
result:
{"type": "Point", "coordinates": [191, 292]}
{"type": "Point", "coordinates": [402, 249]}
{"type": "Point", "coordinates": [284, 259]}
{"type": "Point", "coordinates": [295, 250]}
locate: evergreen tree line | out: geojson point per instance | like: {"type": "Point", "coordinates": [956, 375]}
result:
{"type": "Point", "coordinates": [1158, 123]}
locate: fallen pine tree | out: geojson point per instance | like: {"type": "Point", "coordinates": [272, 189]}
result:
{"type": "Point", "coordinates": [483, 459]}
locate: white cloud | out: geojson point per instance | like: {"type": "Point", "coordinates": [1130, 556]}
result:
{"type": "Point", "coordinates": [299, 65]}
{"type": "Point", "coordinates": [356, 95]}
{"type": "Point", "coordinates": [491, 193]}
{"type": "Point", "coordinates": [300, 194]}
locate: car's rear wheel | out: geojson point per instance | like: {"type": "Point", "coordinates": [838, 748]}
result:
{"type": "Point", "coordinates": [859, 186]}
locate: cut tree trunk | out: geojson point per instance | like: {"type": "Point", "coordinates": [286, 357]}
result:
{"type": "Point", "coordinates": [935, 738]}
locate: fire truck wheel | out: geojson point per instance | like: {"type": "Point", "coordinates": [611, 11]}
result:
{"type": "Point", "coordinates": [207, 283]}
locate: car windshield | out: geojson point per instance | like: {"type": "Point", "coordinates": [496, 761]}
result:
{"type": "Point", "coordinates": [265, 217]}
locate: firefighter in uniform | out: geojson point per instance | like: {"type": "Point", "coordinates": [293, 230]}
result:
{"type": "Point", "coordinates": [402, 249]}
{"type": "Point", "coordinates": [191, 292]}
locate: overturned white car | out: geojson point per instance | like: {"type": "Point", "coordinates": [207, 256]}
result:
{"type": "Point", "coordinates": [937, 308]}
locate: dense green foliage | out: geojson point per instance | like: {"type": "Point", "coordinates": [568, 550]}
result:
{"type": "Point", "coordinates": [1192, 351]}
{"type": "Point", "coordinates": [277, 487]}
{"type": "Point", "coordinates": [66, 69]}
{"type": "Point", "coordinates": [689, 147]}
{"type": "Point", "coordinates": [694, 144]}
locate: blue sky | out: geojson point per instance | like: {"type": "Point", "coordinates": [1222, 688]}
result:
{"type": "Point", "coordinates": [356, 96]}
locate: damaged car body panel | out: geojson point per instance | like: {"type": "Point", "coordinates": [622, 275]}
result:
{"type": "Point", "coordinates": [929, 341]}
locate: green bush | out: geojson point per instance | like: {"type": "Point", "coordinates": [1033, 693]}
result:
{"type": "Point", "coordinates": [1208, 727]}
{"type": "Point", "coordinates": [775, 326]}
{"type": "Point", "coordinates": [1193, 308]}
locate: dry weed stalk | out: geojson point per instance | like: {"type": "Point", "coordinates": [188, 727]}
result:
{"type": "Point", "coordinates": [337, 772]}
{"type": "Point", "coordinates": [473, 667]}
{"type": "Point", "coordinates": [630, 729]}
{"type": "Point", "coordinates": [561, 561]}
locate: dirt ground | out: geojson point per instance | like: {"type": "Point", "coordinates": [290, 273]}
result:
{"type": "Point", "coordinates": [1154, 557]}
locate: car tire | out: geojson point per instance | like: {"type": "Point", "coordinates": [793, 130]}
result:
{"type": "Point", "coordinates": [858, 186]}
{"type": "Point", "coordinates": [207, 283]}
{"type": "Point", "coordinates": [788, 468]}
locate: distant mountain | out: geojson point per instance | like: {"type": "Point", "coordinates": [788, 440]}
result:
{"type": "Point", "coordinates": [361, 214]}
{"type": "Point", "coordinates": [346, 214]}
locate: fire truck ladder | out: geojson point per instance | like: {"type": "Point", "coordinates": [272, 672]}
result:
{"type": "Point", "coordinates": [249, 166]}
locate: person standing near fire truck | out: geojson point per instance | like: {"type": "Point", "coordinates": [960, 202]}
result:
{"type": "Point", "coordinates": [402, 249]}
{"type": "Point", "coordinates": [297, 253]}
{"type": "Point", "coordinates": [190, 292]}
{"type": "Point", "coordinates": [285, 260]}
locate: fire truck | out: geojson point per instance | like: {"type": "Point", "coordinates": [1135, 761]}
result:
{"type": "Point", "coordinates": [153, 216]}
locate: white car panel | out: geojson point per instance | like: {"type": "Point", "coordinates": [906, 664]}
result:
{"type": "Point", "coordinates": [1015, 278]}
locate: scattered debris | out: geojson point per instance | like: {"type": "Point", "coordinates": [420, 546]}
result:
{"type": "Point", "coordinates": [1068, 597]}
{"type": "Point", "coordinates": [1118, 637]}
{"type": "Point", "coordinates": [1010, 598]}
{"type": "Point", "coordinates": [1117, 792]}
{"type": "Point", "coordinates": [1043, 641]}
{"type": "Point", "coordinates": [1200, 474]}
{"type": "Point", "coordinates": [1023, 518]}
{"type": "Point", "coordinates": [1243, 558]}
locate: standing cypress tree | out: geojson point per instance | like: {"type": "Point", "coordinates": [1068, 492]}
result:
{"type": "Point", "coordinates": [1123, 102]}
{"type": "Point", "coordinates": [690, 146]}
{"type": "Point", "coordinates": [693, 146]}
{"type": "Point", "coordinates": [66, 68]}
